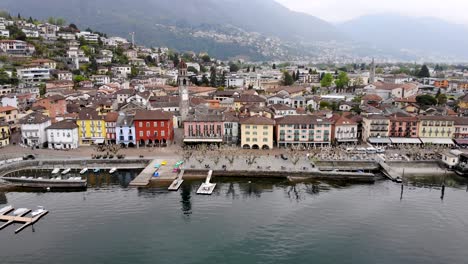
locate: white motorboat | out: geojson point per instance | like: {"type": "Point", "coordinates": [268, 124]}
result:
{"type": "Point", "coordinates": [96, 170]}
{"type": "Point", "coordinates": [20, 211]}
{"type": "Point", "coordinates": [38, 211]}
{"type": "Point", "coordinates": [56, 171]}
{"type": "Point", "coordinates": [113, 170]}
{"type": "Point", "coordinates": [66, 171]}
{"type": "Point", "coordinates": [6, 209]}
{"type": "Point", "coordinates": [83, 171]}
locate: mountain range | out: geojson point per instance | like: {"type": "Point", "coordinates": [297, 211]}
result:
{"type": "Point", "coordinates": [253, 29]}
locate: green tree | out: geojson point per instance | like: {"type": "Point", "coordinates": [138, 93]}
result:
{"type": "Point", "coordinates": [441, 99]}
{"type": "Point", "coordinates": [60, 21]}
{"type": "Point", "coordinates": [206, 58]}
{"type": "Point", "coordinates": [248, 68]}
{"type": "Point", "coordinates": [233, 67]}
{"type": "Point", "coordinates": [288, 80]}
{"type": "Point", "coordinates": [327, 80]}
{"type": "Point", "coordinates": [51, 20]}
{"type": "Point", "coordinates": [254, 69]}
{"type": "Point", "coordinates": [133, 72]}
{"type": "Point", "coordinates": [424, 72]}
{"type": "Point", "coordinates": [79, 78]}
{"type": "Point", "coordinates": [192, 69]}
{"type": "Point", "coordinates": [213, 77]}
{"type": "Point", "coordinates": [42, 89]}
{"type": "Point", "coordinates": [426, 100]}
{"type": "Point", "coordinates": [342, 81]}
{"type": "Point", "coordinates": [294, 76]}
{"type": "Point", "coordinates": [4, 77]}
{"type": "Point", "coordinates": [297, 75]}
{"type": "Point", "coordinates": [205, 81]}
{"type": "Point", "coordinates": [325, 105]}
{"type": "Point", "coordinates": [274, 66]}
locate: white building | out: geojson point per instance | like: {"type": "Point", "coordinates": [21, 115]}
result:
{"type": "Point", "coordinates": [16, 47]}
{"type": "Point", "coordinates": [234, 81]}
{"type": "Point", "coordinates": [33, 129]}
{"type": "Point", "coordinates": [63, 135]}
{"type": "Point", "coordinates": [88, 36]}
{"type": "Point", "coordinates": [100, 79]}
{"type": "Point", "coordinates": [31, 33]}
{"type": "Point", "coordinates": [66, 35]}
{"type": "Point", "coordinates": [65, 76]}
{"type": "Point", "coordinates": [125, 130]}
{"type": "Point", "coordinates": [4, 33]}
{"type": "Point", "coordinates": [122, 70]}
{"type": "Point", "coordinates": [34, 75]}
{"type": "Point", "coordinates": [10, 100]}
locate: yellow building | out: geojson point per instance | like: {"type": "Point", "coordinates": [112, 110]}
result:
{"type": "Point", "coordinates": [257, 132]}
{"type": "Point", "coordinates": [4, 135]}
{"type": "Point", "coordinates": [436, 127]}
{"type": "Point", "coordinates": [91, 127]}
{"type": "Point", "coordinates": [9, 114]}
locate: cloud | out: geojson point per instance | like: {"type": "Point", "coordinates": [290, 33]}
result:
{"type": "Point", "coordinates": [342, 10]}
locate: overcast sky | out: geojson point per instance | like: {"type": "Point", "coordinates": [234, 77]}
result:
{"type": "Point", "coordinates": [342, 10]}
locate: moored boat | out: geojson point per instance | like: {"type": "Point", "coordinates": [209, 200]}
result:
{"type": "Point", "coordinates": [66, 171]}
{"type": "Point", "coordinates": [112, 170]}
{"type": "Point", "coordinates": [38, 211]}
{"type": "Point", "coordinates": [72, 183]}
{"type": "Point", "coordinates": [96, 170]}
{"type": "Point", "coordinates": [56, 171]}
{"type": "Point", "coordinates": [83, 171]}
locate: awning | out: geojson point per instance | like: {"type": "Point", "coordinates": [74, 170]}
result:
{"type": "Point", "coordinates": [437, 141]}
{"type": "Point", "coordinates": [461, 141]}
{"type": "Point", "coordinates": [99, 141]}
{"type": "Point", "coordinates": [203, 140]}
{"type": "Point", "coordinates": [375, 140]}
{"type": "Point", "coordinates": [405, 140]}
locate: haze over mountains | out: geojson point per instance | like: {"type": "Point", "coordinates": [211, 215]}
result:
{"type": "Point", "coordinates": [257, 29]}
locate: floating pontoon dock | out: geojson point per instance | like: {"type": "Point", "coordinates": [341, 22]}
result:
{"type": "Point", "coordinates": [19, 218]}
{"type": "Point", "coordinates": [177, 182]}
{"type": "Point", "coordinates": [207, 187]}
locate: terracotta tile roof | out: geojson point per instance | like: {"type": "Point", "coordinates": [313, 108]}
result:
{"type": "Point", "coordinates": [152, 115]}
{"type": "Point", "coordinates": [6, 108]}
{"type": "Point", "coordinates": [34, 118]}
{"type": "Point", "coordinates": [89, 114]}
{"type": "Point", "coordinates": [111, 117]}
{"type": "Point", "coordinates": [257, 120]}
{"type": "Point", "coordinates": [64, 124]}
{"type": "Point", "coordinates": [247, 98]}
{"type": "Point", "coordinates": [372, 97]}
{"type": "Point", "coordinates": [301, 119]}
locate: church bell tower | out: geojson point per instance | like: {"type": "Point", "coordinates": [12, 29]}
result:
{"type": "Point", "coordinates": [183, 82]}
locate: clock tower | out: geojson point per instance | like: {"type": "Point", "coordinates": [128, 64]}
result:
{"type": "Point", "coordinates": [183, 82]}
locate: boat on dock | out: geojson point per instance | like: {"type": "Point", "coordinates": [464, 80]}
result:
{"type": "Point", "coordinates": [6, 210]}
{"type": "Point", "coordinates": [112, 170]}
{"type": "Point", "coordinates": [66, 171]}
{"type": "Point", "coordinates": [55, 171]}
{"type": "Point", "coordinates": [38, 211]}
{"type": "Point", "coordinates": [83, 171]}
{"type": "Point", "coordinates": [53, 183]}
{"type": "Point", "coordinates": [19, 216]}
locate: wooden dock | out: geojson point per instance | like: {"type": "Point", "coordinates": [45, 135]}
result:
{"type": "Point", "coordinates": [165, 172]}
{"type": "Point", "coordinates": [177, 182]}
{"type": "Point", "coordinates": [207, 187]}
{"type": "Point", "coordinates": [26, 221]}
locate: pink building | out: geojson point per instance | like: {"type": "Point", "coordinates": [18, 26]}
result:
{"type": "Point", "coordinates": [204, 128]}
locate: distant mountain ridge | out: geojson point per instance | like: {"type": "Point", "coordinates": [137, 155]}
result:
{"type": "Point", "coordinates": [150, 19]}
{"type": "Point", "coordinates": [427, 35]}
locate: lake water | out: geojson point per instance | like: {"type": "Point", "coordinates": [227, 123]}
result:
{"type": "Point", "coordinates": [242, 222]}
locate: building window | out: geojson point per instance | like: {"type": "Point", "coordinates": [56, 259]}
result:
{"type": "Point", "coordinates": [141, 124]}
{"type": "Point", "coordinates": [265, 140]}
{"type": "Point", "coordinates": [155, 124]}
{"type": "Point", "coordinates": [148, 133]}
{"type": "Point", "coordinates": [247, 139]}
{"type": "Point", "coordinates": [265, 127]}
{"type": "Point", "coordinates": [155, 133]}
{"type": "Point", "coordinates": [162, 124]}
{"type": "Point", "coordinates": [141, 133]}
{"type": "Point", "coordinates": [147, 124]}
{"type": "Point", "coordinates": [163, 133]}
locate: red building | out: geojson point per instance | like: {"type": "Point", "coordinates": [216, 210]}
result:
{"type": "Point", "coordinates": [153, 127]}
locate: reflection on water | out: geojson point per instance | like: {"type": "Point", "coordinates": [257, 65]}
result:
{"type": "Point", "coordinates": [245, 221]}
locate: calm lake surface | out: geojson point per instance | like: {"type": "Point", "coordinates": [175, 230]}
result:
{"type": "Point", "coordinates": [242, 222]}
